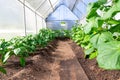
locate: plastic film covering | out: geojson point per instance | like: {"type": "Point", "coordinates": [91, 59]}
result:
{"type": "Point", "coordinates": [30, 21]}
{"type": "Point", "coordinates": [61, 18]}
{"type": "Point", "coordinates": [68, 3]}
{"type": "Point", "coordinates": [28, 16]}
{"type": "Point", "coordinates": [19, 18]}
{"type": "Point", "coordinates": [35, 3]}
{"type": "Point", "coordinates": [67, 12]}
{"type": "Point", "coordinates": [39, 23]}
{"type": "Point", "coordinates": [11, 19]}
{"type": "Point", "coordinates": [44, 7]}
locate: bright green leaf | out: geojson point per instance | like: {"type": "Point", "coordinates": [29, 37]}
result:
{"type": "Point", "coordinates": [6, 56]}
{"type": "Point", "coordinates": [112, 21]}
{"type": "Point", "coordinates": [89, 51]}
{"type": "Point", "coordinates": [17, 51]}
{"type": "Point", "coordinates": [94, 40]}
{"type": "Point", "coordinates": [109, 55]}
{"type": "Point", "coordinates": [98, 39]}
{"type": "Point", "coordinates": [93, 55]}
{"type": "Point", "coordinates": [113, 10]}
{"type": "Point", "coordinates": [2, 70]}
{"type": "Point", "coordinates": [22, 61]}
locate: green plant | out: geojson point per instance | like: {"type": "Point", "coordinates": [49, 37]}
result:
{"type": "Point", "coordinates": [2, 70]}
{"type": "Point", "coordinates": [22, 46]}
{"type": "Point", "coordinates": [101, 34]}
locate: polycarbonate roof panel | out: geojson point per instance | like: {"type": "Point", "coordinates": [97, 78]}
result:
{"type": "Point", "coordinates": [53, 2]}
{"type": "Point", "coordinates": [88, 1]}
{"type": "Point", "coordinates": [21, 0]}
{"type": "Point", "coordinates": [47, 13]}
{"type": "Point", "coordinates": [81, 7]}
{"type": "Point", "coordinates": [69, 3]}
{"type": "Point", "coordinates": [45, 7]}
{"type": "Point", "coordinates": [77, 13]}
{"type": "Point", "coordinates": [35, 3]}
{"type": "Point", "coordinates": [62, 13]}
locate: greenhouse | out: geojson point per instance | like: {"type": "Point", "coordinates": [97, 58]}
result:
{"type": "Point", "coordinates": [59, 39]}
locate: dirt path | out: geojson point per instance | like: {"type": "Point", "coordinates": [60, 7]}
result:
{"type": "Point", "coordinates": [57, 64]}
{"type": "Point", "coordinates": [66, 66]}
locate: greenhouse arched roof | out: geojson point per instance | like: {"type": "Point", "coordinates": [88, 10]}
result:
{"type": "Point", "coordinates": [45, 7]}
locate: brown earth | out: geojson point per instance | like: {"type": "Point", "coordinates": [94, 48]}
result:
{"type": "Point", "coordinates": [55, 62]}
{"type": "Point", "coordinates": [61, 60]}
{"type": "Point", "coordinates": [91, 67]}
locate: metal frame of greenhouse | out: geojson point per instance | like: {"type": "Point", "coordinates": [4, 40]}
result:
{"type": "Point", "coordinates": [29, 16]}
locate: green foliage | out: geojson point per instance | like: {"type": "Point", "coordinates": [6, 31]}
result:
{"type": "Point", "coordinates": [77, 35]}
{"type": "Point", "coordinates": [22, 61]}
{"type": "Point", "coordinates": [109, 55]}
{"type": "Point", "coordinates": [23, 46]}
{"type": "Point", "coordinates": [2, 70]}
{"type": "Point", "coordinates": [112, 11]}
{"type": "Point", "coordinates": [100, 36]}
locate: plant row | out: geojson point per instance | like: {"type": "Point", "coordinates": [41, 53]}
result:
{"type": "Point", "coordinates": [100, 36]}
{"type": "Point", "coordinates": [22, 46]}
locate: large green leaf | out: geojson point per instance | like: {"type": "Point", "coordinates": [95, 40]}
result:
{"type": "Point", "coordinates": [105, 37]}
{"type": "Point", "coordinates": [94, 40]}
{"type": "Point", "coordinates": [109, 55]}
{"type": "Point", "coordinates": [6, 56]}
{"type": "Point", "coordinates": [93, 7]}
{"type": "Point", "coordinates": [113, 10]}
{"type": "Point", "coordinates": [112, 21]}
{"type": "Point", "coordinates": [17, 51]}
{"type": "Point", "coordinates": [93, 22]}
{"type": "Point", "coordinates": [92, 13]}
{"type": "Point", "coordinates": [98, 39]}
{"type": "Point", "coordinates": [115, 28]}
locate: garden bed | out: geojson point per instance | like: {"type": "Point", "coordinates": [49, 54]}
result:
{"type": "Point", "coordinates": [56, 62]}
{"type": "Point", "coordinates": [37, 65]}
{"type": "Point", "coordinates": [91, 67]}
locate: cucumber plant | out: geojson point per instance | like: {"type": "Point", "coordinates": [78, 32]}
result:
{"type": "Point", "coordinates": [101, 34]}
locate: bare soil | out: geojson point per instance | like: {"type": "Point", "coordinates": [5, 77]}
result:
{"type": "Point", "coordinates": [55, 62]}
{"type": "Point", "coordinates": [62, 59]}
{"type": "Point", "coordinates": [91, 67]}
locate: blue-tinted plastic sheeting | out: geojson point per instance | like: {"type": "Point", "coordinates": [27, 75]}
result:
{"type": "Point", "coordinates": [78, 13]}
{"type": "Point", "coordinates": [88, 1]}
{"type": "Point", "coordinates": [80, 8]}
{"type": "Point", "coordinates": [67, 11]}
{"type": "Point", "coordinates": [56, 25]}
{"type": "Point", "coordinates": [61, 15]}
{"type": "Point", "coordinates": [68, 3]}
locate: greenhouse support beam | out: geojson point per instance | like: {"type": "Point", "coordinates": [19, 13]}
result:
{"type": "Point", "coordinates": [50, 8]}
{"type": "Point", "coordinates": [74, 5]}
{"type": "Point", "coordinates": [40, 5]}
{"type": "Point", "coordinates": [31, 9]}
{"type": "Point", "coordinates": [24, 18]}
{"type": "Point", "coordinates": [51, 5]}
{"type": "Point", "coordinates": [84, 3]}
{"type": "Point", "coordinates": [36, 22]}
